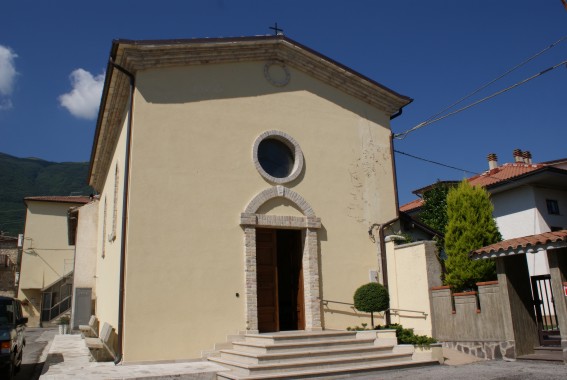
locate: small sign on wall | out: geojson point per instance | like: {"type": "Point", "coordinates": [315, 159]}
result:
{"type": "Point", "coordinates": [373, 276]}
{"type": "Point", "coordinates": [565, 290]}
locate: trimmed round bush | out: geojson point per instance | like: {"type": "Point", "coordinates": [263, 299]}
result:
{"type": "Point", "coordinates": [371, 298]}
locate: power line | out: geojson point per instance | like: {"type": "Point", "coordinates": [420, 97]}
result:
{"type": "Point", "coordinates": [497, 78]}
{"type": "Point", "coordinates": [435, 162]}
{"type": "Point", "coordinates": [484, 174]}
{"type": "Point", "coordinates": [402, 135]}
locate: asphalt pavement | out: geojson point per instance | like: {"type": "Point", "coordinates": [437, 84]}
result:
{"type": "Point", "coordinates": [37, 340]}
{"type": "Point", "coordinates": [480, 370]}
{"type": "Point", "coordinates": [457, 365]}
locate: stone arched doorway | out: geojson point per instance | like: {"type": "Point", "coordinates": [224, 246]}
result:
{"type": "Point", "coordinates": [308, 224]}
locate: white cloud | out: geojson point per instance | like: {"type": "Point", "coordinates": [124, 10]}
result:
{"type": "Point", "coordinates": [7, 76]}
{"type": "Point", "coordinates": [84, 99]}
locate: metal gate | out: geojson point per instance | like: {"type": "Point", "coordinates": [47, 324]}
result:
{"type": "Point", "coordinates": [544, 306]}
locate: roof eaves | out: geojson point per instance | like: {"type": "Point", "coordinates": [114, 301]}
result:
{"type": "Point", "coordinates": [525, 175]}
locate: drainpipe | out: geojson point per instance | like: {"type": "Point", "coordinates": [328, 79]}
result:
{"type": "Point", "coordinates": [120, 333]}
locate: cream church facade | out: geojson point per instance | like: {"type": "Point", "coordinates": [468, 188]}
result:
{"type": "Point", "coordinates": [238, 181]}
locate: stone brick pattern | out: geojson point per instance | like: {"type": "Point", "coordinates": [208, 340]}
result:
{"type": "Point", "coordinates": [292, 144]}
{"type": "Point", "coordinates": [485, 350]}
{"type": "Point", "coordinates": [249, 220]}
{"type": "Point", "coordinates": [8, 265]}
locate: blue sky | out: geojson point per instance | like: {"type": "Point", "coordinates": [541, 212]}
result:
{"type": "Point", "coordinates": [53, 55]}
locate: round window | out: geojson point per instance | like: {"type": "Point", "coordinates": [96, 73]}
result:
{"type": "Point", "coordinates": [278, 157]}
{"type": "Point", "coordinates": [275, 157]}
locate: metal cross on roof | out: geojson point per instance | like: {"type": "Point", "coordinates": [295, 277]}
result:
{"type": "Point", "coordinates": [277, 31]}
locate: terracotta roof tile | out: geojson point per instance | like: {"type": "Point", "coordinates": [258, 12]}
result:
{"type": "Point", "coordinates": [503, 173]}
{"type": "Point", "coordinates": [61, 199]}
{"type": "Point", "coordinates": [416, 203]}
{"type": "Point", "coordinates": [522, 243]}
{"type": "Point", "coordinates": [500, 174]}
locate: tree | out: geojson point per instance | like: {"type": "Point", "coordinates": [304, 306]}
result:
{"type": "Point", "coordinates": [372, 297]}
{"type": "Point", "coordinates": [434, 210]}
{"type": "Point", "coordinates": [469, 226]}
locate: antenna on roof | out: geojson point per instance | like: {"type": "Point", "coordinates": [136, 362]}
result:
{"type": "Point", "coordinates": [277, 31]}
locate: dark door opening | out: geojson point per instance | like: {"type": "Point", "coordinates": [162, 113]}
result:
{"type": "Point", "coordinates": [279, 280]}
{"type": "Point", "coordinates": [544, 305]}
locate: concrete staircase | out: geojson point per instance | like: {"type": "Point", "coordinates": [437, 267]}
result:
{"type": "Point", "coordinates": [323, 354]}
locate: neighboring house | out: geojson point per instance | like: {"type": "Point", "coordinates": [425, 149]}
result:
{"type": "Point", "coordinates": [528, 199]}
{"type": "Point", "coordinates": [500, 320]}
{"type": "Point", "coordinates": [238, 181]}
{"type": "Point", "coordinates": [47, 257]}
{"type": "Point", "coordinates": [9, 254]}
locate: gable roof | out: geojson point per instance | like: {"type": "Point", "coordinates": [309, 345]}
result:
{"type": "Point", "coordinates": [502, 173]}
{"type": "Point", "coordinates": [413, 205]}
{"type": "Point", "coordinates": [506, 174]}
{"type": "Point", "coordinates": [526, 244]}
{"type": "Point", "coordinates": [139, 55]}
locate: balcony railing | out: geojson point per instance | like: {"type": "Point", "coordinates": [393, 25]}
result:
{"type": "Point", "coordinates": [56, 298]}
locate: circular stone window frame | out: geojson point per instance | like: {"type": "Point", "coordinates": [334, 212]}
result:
{"type": "Point", "coordinates": [291, 144]}
{"type": "Point", "coordinates": [278, 83]}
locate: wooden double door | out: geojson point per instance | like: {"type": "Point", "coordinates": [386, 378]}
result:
{"type": "Point", "coordinates": [279, 269]}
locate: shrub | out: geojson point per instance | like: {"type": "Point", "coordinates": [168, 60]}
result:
{"type": "Point", "coordinates": [371, 298]}
{"type": "Point", "coordinates": [406, 336]}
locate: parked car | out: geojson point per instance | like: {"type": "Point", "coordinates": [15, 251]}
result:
{"type": "Point", "coordinates": [12, 339]}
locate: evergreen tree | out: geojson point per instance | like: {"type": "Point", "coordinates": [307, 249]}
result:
{"type": "Point", "coordinates": [470, 226]}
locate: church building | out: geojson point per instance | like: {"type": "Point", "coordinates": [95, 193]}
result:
{"type": "Point", "coordinates": [239, 181]}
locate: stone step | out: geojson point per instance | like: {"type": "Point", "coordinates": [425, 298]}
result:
{"type": "Point", "coordinates": [298, 336]}
{"type": "Point", "coordinates": [305, 354]}
{"type": "Point", "coordinates": [545, 353]}
{"type": "Point", "coordinates": [548, 348]}
{"type": "Point", "coordinates": [328, 373]}
{"type": "Point", "coordinates": [312, 364]}
{"type": "Point", "coordinates": [296, 346]}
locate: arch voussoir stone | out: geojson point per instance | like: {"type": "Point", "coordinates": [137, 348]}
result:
{"type": "Point", "coordinates": [309, 223]}
{"type": "Point", "coordinates": [279, 192]}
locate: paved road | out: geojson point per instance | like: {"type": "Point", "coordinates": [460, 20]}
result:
{"type": "Point", "coordinates": [36, 340]}
{"type": "Point", "coordinates": [483, 370]}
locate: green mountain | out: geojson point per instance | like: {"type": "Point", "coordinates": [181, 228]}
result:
{"type": "Point", "coordinates": [26, 177]}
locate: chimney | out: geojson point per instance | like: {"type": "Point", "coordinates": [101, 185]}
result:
{"type": "Point", "coordinates": [492, 161]}
{"type": "Point", "coordinates": [527, 157]}
{"type": "Point", "coordinates": [518, 155]}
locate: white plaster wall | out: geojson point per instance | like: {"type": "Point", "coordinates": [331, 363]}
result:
{"type": "Point", "coordinates": [515, 212]}
{"type": "Point", "coordinates": [550, 220]}
{"type": "Point", "coordinates": [46, 254]}
{"type": "Point", "coordinates": [523, 212]}
{"type": "Point", "coordinates": [108, 249]}
{"type": "Point", "coordinates": [413, 269]}
{"type": "Point", "coordinates": [193, 174]}
{"type": "Point", "coordinates": [85, 251]}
